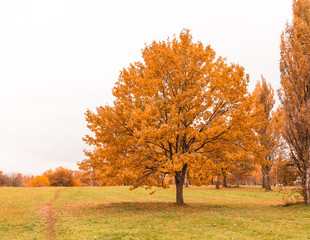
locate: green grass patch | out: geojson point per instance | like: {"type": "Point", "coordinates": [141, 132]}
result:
{"type": "Point", "coordinates": [20, 216]}
{"type": "Point", "coordinates": [117, 213]}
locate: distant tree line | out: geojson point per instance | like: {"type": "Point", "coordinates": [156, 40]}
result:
{"type": "Point", "coordinates": [59, 177]}
{"type": "Point", "coordinates": [11, 180]}
{"type": "Point", "coordinates": [282, 173]}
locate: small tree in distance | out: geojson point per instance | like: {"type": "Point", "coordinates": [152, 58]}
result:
{"type": "Point", "coordinates": [39, 181]}
{"type": "Point", "coordinates": [61, 177]}
{"type": "Point", "coordinates": [172, 113]}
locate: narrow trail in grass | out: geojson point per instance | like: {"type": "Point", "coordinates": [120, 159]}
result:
{"type": "Point", "coordinates": [48, 214]}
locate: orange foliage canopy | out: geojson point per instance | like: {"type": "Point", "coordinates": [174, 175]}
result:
{"type": "Point", "coordinates": [172, 113]}
{"type": "Point", "coordinates": [39, 181]}
{"type": "Point", "coordinates": [62, 177]}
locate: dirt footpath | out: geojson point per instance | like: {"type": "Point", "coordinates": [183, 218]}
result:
{"type": "Point", "coordinates": [48, 214]}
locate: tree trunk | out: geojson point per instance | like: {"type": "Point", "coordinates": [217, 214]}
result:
{"type": "Point", "coordinates": [267, 186]}
{"type": "Point", "coordinates": [267, 183]}
{"type": "Point", "coordinates": [307, 185]}
{"type": "Point", "coordinates": [263, 179]}
{"type": "Point", "coordinates": [224, 180]}
{"type": "Point", "coordinates": [186, 180]}
{"type": "Point", "coordinates": [217, 182]}
{"type": "Point", "coordinates": [179, 181]}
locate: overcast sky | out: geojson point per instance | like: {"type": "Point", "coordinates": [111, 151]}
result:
{"type": "Point", "coordinates": [58, 58]}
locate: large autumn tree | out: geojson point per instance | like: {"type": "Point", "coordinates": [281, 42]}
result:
{"type": "Point", "coordinates": [171, 114]}
{"type": "Point", "coordinates": [295, 89]}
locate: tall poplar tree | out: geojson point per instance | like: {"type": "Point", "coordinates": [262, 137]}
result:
{"type": "Point", "coordinates": [267, 138]}
{"type": "Point", "coordinates": [295, 89]}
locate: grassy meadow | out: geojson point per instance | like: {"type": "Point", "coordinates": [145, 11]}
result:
{"type": "Point", "coordinates": [117, 213]}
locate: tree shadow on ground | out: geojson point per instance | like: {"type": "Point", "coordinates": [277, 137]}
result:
{"type": "Point", "coordinates": [297, 203]}
{"type": "Point", "coordinates": [167, 206]}
{"type": "Point", "coordinates": [153, 207]}
{"type": "Point", "coordinates": [134, 208]}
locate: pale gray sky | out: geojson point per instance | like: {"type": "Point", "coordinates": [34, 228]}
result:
{"type": "Point", "coordinates": [58, 58]}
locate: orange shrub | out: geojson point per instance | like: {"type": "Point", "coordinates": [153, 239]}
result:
{"type": "Point", "coordinates": [39, 181]}
{"type": "Point", "coordinates": [60, 177]}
